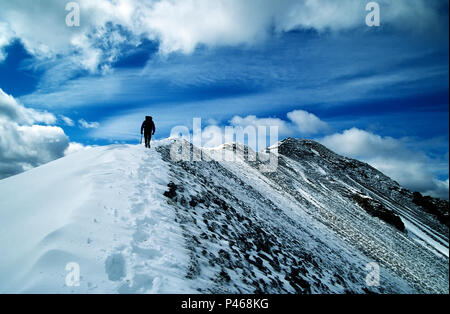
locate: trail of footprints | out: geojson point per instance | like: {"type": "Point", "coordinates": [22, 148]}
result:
{"type": "Point", "coordinates": [133, 265]}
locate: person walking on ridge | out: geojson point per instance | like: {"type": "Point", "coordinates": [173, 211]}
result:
{"type": "Point", "coordinates": [148, 129]}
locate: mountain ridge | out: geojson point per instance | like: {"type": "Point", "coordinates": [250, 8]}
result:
{"type": "Point", "coordinates": [141, 223]}
{"type": "Point", "coordinates": [429, 204]}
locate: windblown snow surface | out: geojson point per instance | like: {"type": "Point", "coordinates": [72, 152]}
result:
{"type": "Point", "coordinates": [137, 222]}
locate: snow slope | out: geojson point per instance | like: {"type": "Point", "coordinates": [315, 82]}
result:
{"type": "Point", "coordinates": [137, 222]}
{"type": "Point", "coordinates": [100, 205]}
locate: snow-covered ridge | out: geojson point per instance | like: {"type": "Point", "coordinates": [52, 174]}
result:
{"type": "Point", "coordinates": [101, 208]}
{"type": "Point", "coordinates": [137, 222]}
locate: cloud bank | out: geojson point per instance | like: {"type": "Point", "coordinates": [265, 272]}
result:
{"type": "Point", "coordinates": [26, 138]}
{"type": "Point", "coordinates": [108, 28]}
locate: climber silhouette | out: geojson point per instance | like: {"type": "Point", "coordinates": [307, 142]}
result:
{"type": "Point", "coordinates": [148, 129]}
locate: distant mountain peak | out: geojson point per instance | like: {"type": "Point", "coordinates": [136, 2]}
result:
{"type": "Point", "coordinates": [293, 145]}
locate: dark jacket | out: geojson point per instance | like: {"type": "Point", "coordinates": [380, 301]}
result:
{"type": "Point", "coordinates": [148, 127]}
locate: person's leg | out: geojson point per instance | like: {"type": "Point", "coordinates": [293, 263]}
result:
{"type": "Point", "coordinates": [146, 140]}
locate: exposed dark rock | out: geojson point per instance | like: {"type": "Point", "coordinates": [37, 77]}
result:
{"type": "Point", "coordinates": [193, 202]}
{"type": "Point", "coordinates": [224, 275]}
{"type": "Point", "coordinates": [377, 209]}
{"type": "Point", "coordinates": [297, 281]}
{"type": "Point", "coordinates": [437, 207]}
{"type": "Point", "coordinates": [172, 193]}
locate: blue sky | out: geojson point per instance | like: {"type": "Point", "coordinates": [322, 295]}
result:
{"type": "Point", "coordinates": [388, 84]}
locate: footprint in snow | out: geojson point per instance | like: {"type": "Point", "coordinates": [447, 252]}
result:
{"type": "Point", "coordinates": [115, 267]}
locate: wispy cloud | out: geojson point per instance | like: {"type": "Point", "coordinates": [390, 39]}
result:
{"type": "Point", "coordinates": [88, 125]}
{"type": "Point", "coordinates": [6, 37]}
{"type": "Point", "coordinates": [67, 120]}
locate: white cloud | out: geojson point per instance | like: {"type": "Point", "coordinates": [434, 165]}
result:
{"type": "Point", "coordinates": [75, 147]}
{"type": "Point", "coordinates": [183, 25]}
{"type": "Point", "coordinates": [284, 128]}
{"type": "Point", "coordinates": [10, 109]}
{"type": "Point", "coordinates": [88, 125]}
{"type": "Point", "coordinates": [23, 143]}
{"type": "Point", "coordinates": [5, 39]}
{"type": "Point", "coordinates": [67, 120]}
{"type": "Point", "coordinates": [412, 169]}
{"type": "Point", "coordinates": [42, 29]}
{"type": "Point", "coordinates": [359, 143]}
{"type": "Point", "coordinates": [300, 122]}
{"type": "Point", "coordinates": [306, 123]}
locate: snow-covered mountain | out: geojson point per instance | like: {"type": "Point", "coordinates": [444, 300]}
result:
{"type": "Point", "coordinates": [135, 221]}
